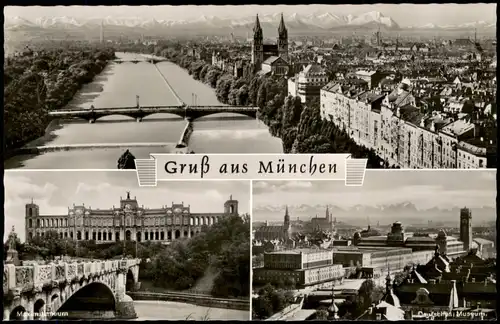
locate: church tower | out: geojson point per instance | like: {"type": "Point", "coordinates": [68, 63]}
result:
{"type": "Point", "coordinates": [257, 44]}
{"type": "Point", "coordinates": [466, 228]}
{"type": "Point", "coordinates": [31, 218]}
{"type": "Point", "coordinates": [283, 40]}
{"type": "Point", "coordinates": [231, 206]}
{"type": "Point", "coordinates": [286, 223]}
{"type": "Point", "coordinates": [328, 215]}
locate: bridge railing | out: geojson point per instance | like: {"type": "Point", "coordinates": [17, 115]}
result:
{"type": "Point", "coordinates": [27, 277]}
{"type": "Point", "coordinates": [148, 109]}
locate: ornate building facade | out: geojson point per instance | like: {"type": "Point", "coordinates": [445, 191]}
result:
{"type": "Point", "coordinates": [128, 221]}
{"type": "Point", "coordinates": [263, 52]}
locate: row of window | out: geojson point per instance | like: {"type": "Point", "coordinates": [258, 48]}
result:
{"type": "Point", "coordinates": [128, 222]}
{"type": "Point", "coordinates": [108, 236]}
{"type": "Point", "coordinates": [428, 145]}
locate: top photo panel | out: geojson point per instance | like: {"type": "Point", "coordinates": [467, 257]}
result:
{"type": "Point", "coordinates": [405, 86]}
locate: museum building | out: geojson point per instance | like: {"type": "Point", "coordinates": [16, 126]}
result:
{"type": "Point", "coordinates": [129, 222]}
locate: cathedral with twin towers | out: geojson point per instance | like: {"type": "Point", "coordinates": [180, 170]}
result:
{"type": "Point", "coordinates": [128, 221]}
{"type": "Point", "coordinates": [270, 57]}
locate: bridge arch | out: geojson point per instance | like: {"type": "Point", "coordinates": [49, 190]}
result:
{"type": "Point", "coordinates": [38, 309]}
{"type": "Point", "coordinates": [18, 313]}
{"type": "Point", "coordinates": [94, 297]}
{"type": "Point", "coordinates": [193, 115]}
{"type": "Point", "coordinates": [138, 114]}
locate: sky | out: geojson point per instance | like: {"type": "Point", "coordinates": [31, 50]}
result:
{"type": "Point", "coordinates": [403, 14]}
{"type": "Point", "coordinates": [55, 191]}
{"type": "Point", "coordinates": [425, 189]}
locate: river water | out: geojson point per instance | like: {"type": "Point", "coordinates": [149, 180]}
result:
{"type": "Point", "coordinates": [117, 86]}
{"type": "Point", "coordinates": [163, 310]}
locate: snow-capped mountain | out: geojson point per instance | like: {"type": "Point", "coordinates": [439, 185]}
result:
{"type": "Point", "coordinates": [470, 25]}
{"type": "Point", "coordinates": [324, 20]}
{"type": "Point", "coordinates": [405, 212]}
{"type": "Point", "coordinates": [372, 18]}
{"type": "Point", "coordinates": [297, 23]}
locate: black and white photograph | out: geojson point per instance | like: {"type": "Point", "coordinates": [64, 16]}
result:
{"type": "Point", "coordinates": [84, 245]}
{"type": "Point", "coordinates": [409, 86]}
{"type": "Point", "coordinates": [407, 245]}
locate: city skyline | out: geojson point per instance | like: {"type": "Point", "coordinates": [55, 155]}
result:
{"type": "Point", "coordinates": [403, 14]}
{"type": "Point", "coordinates": [424, 189]}
{"type": "Point", "coordinates": [55, 192]}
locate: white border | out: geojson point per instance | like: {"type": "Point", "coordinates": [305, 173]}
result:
{"type": "Point", "coordinates": [250, 290]}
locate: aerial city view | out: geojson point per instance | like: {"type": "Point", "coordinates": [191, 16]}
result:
{"type": "Point", "coordinates": [93, 245]}
{"type": "Point", "coordinates": [406, 86]}
{"type": "Point", "coordinates": [405, 246]}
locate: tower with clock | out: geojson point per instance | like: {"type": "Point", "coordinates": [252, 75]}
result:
{"type": "Point", "coordinates": [466, 228]}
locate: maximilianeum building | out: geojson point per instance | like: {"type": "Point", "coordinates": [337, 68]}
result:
{"type": "Point", "coordinates": [128, 221]}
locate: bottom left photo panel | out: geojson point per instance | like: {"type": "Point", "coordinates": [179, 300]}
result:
{"type": "Point", "coordinates": [96, 245]}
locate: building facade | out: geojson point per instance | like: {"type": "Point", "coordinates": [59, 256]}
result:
{"type": "Point", "coordinates": [304, 267]}
{"type": "Point", "coordinates": [307, 84]}
{"type": "Point", "coordinates": [447, 245]}
{"type": "Point", "coordinates": [398, 132]}
{"type": "Point", "coordinates": [128, 221]}
{"type": "Point", "coordinates": [326, 223]}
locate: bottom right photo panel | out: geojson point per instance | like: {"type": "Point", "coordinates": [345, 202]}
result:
{"type": "Point", "coordinates": [407, 245]}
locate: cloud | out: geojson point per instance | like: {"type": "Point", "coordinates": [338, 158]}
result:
{"type": "Point", "coordinates": [424, 189]}
{"type": "Point", "coordinates": [260, 187]}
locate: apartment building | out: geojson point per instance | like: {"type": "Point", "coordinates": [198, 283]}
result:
{"type": "Point", "coordinates": [398, 131]}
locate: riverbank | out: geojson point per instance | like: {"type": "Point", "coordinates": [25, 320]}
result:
{"type": "Point", "coordinates": [174, 311]}
{"type": "Point", "coordinates": [195, 299]}
{"type": "Point", "coordinates": [27, 103]}
{"type": "Point", "coordinates": [69, 147]}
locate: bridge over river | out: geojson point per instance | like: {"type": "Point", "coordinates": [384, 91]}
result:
{"type": "Point", "coordinates": [70, 290]}
{"type": "Point", "coordinates": [188, 112]}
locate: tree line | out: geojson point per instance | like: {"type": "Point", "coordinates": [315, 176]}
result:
{"type": "Point", "coordinates": [222, 248]}
{"type": "Point", "coordinates": [42, 80]}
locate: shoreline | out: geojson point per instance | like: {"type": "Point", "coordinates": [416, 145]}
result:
{"type": "Point", "coordinates": [199, 300]}
{"type": "Point", "coordinates": [51, 126]}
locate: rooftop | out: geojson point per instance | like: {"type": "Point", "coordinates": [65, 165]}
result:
{"type": "Point", "coordinates": [313, 69]}
{"type": "Point", "coordinates": [299, 251]}
{"type": "Point", "coordinates": [411, 114]}
{"type": "Point", "coordinates": [458, 127]}
{"type": "Point", "coordinates": [365, 73]}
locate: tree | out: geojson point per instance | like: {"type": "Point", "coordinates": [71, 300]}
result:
{"type": "Point", "coordinates": [321, 314]}
{"type": "Point", "coordinates": [270, 301]}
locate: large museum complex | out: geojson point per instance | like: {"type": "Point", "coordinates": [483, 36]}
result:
{"type": "Point", "coordinates": [128, 221]}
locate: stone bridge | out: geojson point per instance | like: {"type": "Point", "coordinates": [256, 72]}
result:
{"type": "Point", "coordinates": [148, 60]}
{"type": "Point", "coordinates": [187, 112]}
{"type": "Point", "coordinates": [70, 290]}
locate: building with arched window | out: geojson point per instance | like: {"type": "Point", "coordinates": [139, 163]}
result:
{"type": "Point", "coordinates": [128, 221]}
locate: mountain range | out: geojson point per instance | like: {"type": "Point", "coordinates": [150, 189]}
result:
{"type": "Point", "coordinates": [296, 23]}
{"type": "Point", "coordinates": [405, 212]}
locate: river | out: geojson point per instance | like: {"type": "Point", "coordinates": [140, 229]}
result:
{"type": "Point", "coordinates": [118, 85]}
{"type": "Point", "coordinates": [163, 310]}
